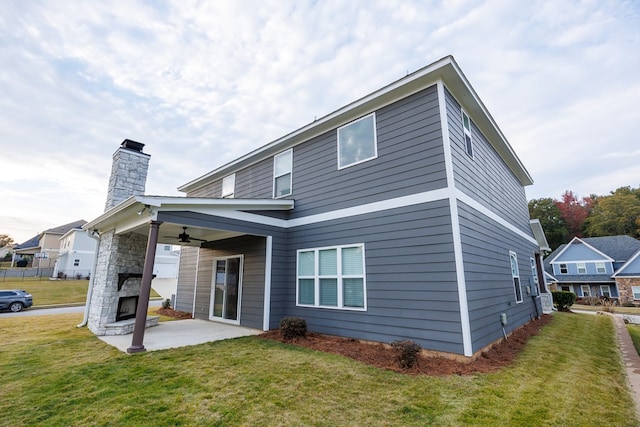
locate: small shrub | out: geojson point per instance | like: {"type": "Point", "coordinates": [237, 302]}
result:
{"type": "Point", "coordinates": [166, 303]}
{"type": "Point", "coordinates": [563, 299]}
{"type": "Point", "coordinates": [608, 305]}
{"type": "Point", "coordinates": [408, 352]}
{"type": "Point", "coordinates": [293, 327]}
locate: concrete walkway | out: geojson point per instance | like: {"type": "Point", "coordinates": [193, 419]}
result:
{"type": "Point", "coordinates": [630, 359]}
{"type": "Point", "coordinates": [181, 333]}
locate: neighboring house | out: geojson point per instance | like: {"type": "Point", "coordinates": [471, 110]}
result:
{"type": "Point", "coordinates": [5, 250]}
{"type": "Point", "coordinates": [596, 267]}
{"type": "Point", "coordinates": [166, 262]}
{"type": "Point", "coordinates": [42, 250]}
{"type": "Point", "coordinates": [402, 215]}
{"type": "Point", "coordinates": [76, 256]}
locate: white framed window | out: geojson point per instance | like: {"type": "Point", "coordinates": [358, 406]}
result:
{"type": "Point", "coordinates": [563, 269]}
{"type": "Point", "coordinates": [582, 267]}
{"type": "Point", "coordinates": [600, 268]}
{"type": "Point", "coordinates": [515, 273]}
{"type": "Point", "coordinates": [282, 166]}
{"type": "Point", "coordinates": [605, 291]}
{"type": "Point", "coordinates": [332, 277]}
{"type": "Point", "coordinates": [76, 262]}
{"type": "Point", "coordinates": [228, 186]}
{"type": "Point", "coordinates": [167, 247]}
{"type": "Point", "coordinates": [586, 290]}
{"type": "Point", "coordinates": [357, 141]}
{"type": "Point", "coordinates": [636, 292]}
{"type": "Point", "coordinates": [468, 139]}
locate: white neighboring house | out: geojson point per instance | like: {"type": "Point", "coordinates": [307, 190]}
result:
{"type": "Point", "coordinates": [75, 258]}
{"type": "Point", "coordinates": [166, 262]}
{"type": "Point", "coordinates": [77, 252]}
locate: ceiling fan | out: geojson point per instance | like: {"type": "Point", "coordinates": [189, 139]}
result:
{"type": "Point", "coordinates": [184, 237]}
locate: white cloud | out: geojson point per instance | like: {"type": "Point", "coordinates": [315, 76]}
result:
{"type": "Point", "coordinates": [204, 82]}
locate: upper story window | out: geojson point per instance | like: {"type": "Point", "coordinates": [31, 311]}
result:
{"type": "Point", "coordinates": [600, 268]}
{"type": "Point", "coordinates": [515, 273]}
{"type": "Point", "coordinates": [468, 139]}
{"type": "Point", "coordinates": [564, 269]}
{"type": "Point", "coordinates": [357, 141]}
{"type": "Point", "coordinates": [282, 165]}
{"type": "Point", "coordinates": [582, 268]}
{"type": "Point", "coordinates": [228, 186]}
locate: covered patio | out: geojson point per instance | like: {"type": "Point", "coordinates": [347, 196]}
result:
{"type": "Point", "coordinates": [181, 333]}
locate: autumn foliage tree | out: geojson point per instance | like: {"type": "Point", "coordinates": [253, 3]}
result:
{"type": "Point", "coordinates": [615, 214]}
{"type": "Point", "coordinates": [5, 240]}
{"type": "Point", "coordinates": [574, 212]}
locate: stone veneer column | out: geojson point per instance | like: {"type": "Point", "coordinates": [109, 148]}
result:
{"type": "Point", "coordinates": [116, 254]}
{"type": "Point", "coordinates": [128, 173]}
{"type": "Point", "coordinates": [119, 253]}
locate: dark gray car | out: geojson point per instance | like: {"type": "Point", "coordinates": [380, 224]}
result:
{"type": "Point", "coordinates": [15, 300]}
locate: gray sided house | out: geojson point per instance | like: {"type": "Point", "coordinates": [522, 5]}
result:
{"type": "Point", "coordinates": [402, 215]}
{"type": "Point", "coordinates": [597, 267]}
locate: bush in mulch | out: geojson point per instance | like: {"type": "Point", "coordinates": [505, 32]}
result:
{"type": "Point", "coordinates": [176, 314]}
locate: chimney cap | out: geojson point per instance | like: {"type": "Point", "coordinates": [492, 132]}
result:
{"type": "Point", "coordinates": [132, 145]}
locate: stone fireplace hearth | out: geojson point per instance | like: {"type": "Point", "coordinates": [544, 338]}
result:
{"type": "Point", "coordinates": [127, 308]}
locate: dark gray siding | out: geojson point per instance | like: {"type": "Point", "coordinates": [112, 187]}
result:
{"type": "Point", "coordinates": [410, 277]}
{"type": "Point", "coordinates": [485, 177]}
{"type": "Point", "coordinates": [252, 303]}
{"type": "Point", "coordinates": [186, 279]}
{"type": "Point", "coordinates": [410, 160]}
{"type": "Point", "coordinates": [490, 290]}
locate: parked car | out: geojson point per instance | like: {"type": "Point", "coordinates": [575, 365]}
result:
{"type": "Point", "coordinates": [15, 300]}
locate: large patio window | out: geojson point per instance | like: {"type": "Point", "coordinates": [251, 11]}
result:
{"type": "Point", "coordinates": [332, 277]}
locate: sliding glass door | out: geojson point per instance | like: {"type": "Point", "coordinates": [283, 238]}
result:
{"type": "Point", "coordinates": [226, 289]}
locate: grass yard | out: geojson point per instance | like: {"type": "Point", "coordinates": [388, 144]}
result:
{"type": "Point", "coordinates": [634, 331]}
{"type": "Point", "coordinates": [48, 292]}
{"type": "Point", "coordinates": [616, 309]}
{"type": "Point", "coordinates": [54, 374]}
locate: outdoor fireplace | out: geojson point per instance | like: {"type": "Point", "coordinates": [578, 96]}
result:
{"type": "Point", "coordinates": [127, 308]}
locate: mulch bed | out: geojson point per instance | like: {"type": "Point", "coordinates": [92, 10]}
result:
{"type": "Point", "coordinates": [383, 356]}
{"type": "Point", "coordinates": [174, 313]}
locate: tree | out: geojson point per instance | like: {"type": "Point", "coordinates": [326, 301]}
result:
{"type": "Point", "coordinates": [574, 212]}
{"type": "Point", "coordinates": [555, 228]}
{"type": "Point", "coordinates": [5, 240]}
{"type": "Point", "coordinates": [616, 214]}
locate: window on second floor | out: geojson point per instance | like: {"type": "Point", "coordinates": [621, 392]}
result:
{"type": "Point", "coordinates": [468, 139]}
{"type": "Point", "coordinates": [228, 186]}
{"type": "Point", "coordinates": [515, 273]}
{"type": "Point", "coordinates": [76, 262]}
{"type": "Point", "coordinates": [582, 268]}
{"type": "Point", "coordinates": [282, 166]}
{"type": "Point", "coordinates": [563, 269]}
{"type": "Point", "coordinates": [357, 141]}
{"type": "Point", "coordinates": [600, 268]}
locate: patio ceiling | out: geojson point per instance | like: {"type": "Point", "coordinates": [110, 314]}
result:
{"type": "Point", "coordinates": [134, 214]}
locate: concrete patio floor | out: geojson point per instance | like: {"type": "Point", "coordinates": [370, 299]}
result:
{"type": "Point", "coordinates": [181, 333]}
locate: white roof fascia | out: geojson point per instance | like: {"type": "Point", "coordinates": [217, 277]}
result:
{"type": "Point", "coordinates": [605, 256]}
{"type": "Point", "coordinates": [538, 233]}
{"type": "Point", "coordinates": [126, 211]}
{"type": "Point", "coordinates": [445, 69]}
{"type": "Point", "coordinates": [627, 264]}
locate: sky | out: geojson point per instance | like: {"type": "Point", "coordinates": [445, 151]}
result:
{"type": "Point", "coordinates": [204, 82]}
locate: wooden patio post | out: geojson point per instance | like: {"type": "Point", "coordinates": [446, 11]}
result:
{"type": "Point", "coordinates": [145, 290]}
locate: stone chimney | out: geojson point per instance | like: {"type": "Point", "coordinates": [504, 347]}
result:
{"type": "Point", "coordinates": [128, 173]}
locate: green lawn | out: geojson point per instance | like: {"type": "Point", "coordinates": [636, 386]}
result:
{"type": "Point", "coordinates": [48, 292]}
{"type": "Point", "coordinates": [634, 331]}
{"type": "Point", "coordinates": [54, 374]}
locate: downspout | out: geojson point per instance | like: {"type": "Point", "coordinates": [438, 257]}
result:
{"type": "Point", "coordinates": [195, 285]}
{"type": "Point", "coordinates": [92, 278]}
